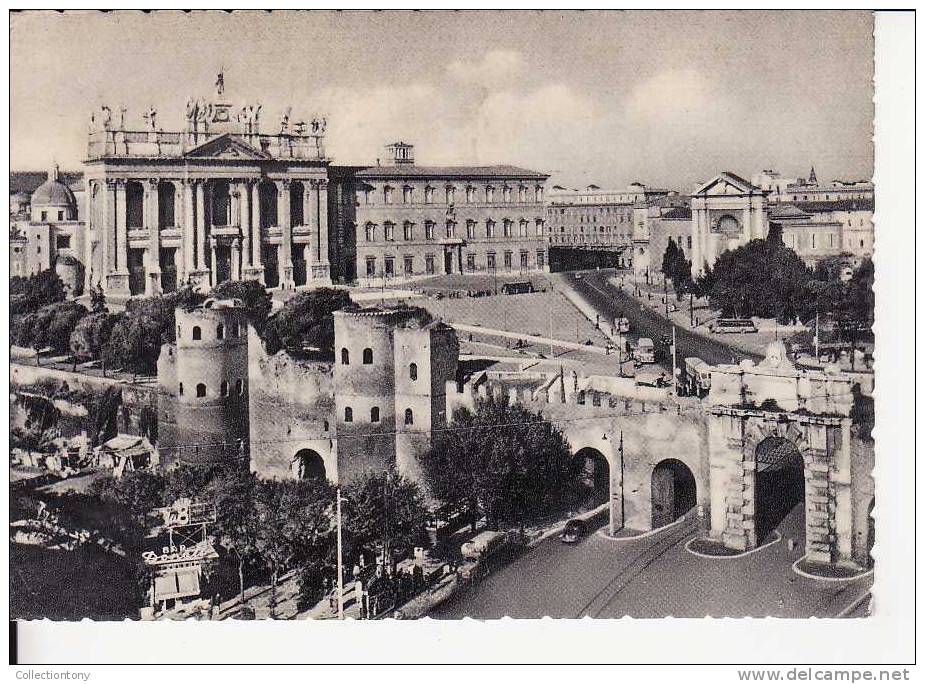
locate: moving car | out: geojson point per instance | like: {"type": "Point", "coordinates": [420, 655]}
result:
{"type": "Point", "coordinates": [574, 530]}
{"type": "Point", "coordinates": [733, 325]}
{"type": "Point", "coordinates": [622, 325]}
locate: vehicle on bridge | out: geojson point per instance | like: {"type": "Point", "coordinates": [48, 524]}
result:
{"type": "Point", "coordinates": [732, 325]}
{"type": "Point", "coordinates": [644, 351]}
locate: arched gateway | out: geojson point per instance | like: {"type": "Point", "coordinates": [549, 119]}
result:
{"type": "Point", "coordinates": [781, 436]}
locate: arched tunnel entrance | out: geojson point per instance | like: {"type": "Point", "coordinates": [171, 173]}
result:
{"type": "Point", "coordinates": [674, 492]}
{"type": "Point", "coordinates": [595, 475]}
{"type": "Point", "coordinates": [779, 489]}
{"type": "Point", "coordinates": [307, 464]}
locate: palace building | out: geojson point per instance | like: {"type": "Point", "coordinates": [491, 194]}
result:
{"type": "Point", "coordinates": [221, 199]}
{"type": "Point", "coordinates": [402, 220]}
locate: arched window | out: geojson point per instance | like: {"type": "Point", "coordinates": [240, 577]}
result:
{"type": "Point", "coordinates": [327, 426]}
{"type": "Point", "coordinates": [239, 386]}
{"type": "Point", "coordinates": [409, 417]}
{"type": "Point", "coordinates": [348, 415]}
{"type": "Point", "coordinates": [367, 356]}
{"type": "Point", "coordinates": [181, 389]}
{"type": "Point", "coordinates": [224, 388]}
{"type": "Point", "coordinates": [413, 371]}
{"type": "Point", "coordinates": [197, 333]}
{"type": "Point", "coordinates": [220, 332]}
{"type": "Point", "coordinates": [374, 414]}
{"type": "Point", "coordinates": [200, 390]}
{"type": "Point", "coordinates": [179, 330]}
{"type": "Point", "coordinates": [344, 357]}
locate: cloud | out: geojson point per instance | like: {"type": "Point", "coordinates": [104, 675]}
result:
{"type": "Point", "coordinates": [496, 68]}
{"type": "Point", "coordinates": [671, 94]}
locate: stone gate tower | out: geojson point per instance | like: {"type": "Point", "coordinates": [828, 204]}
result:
{"type": "Point", "coordinates": [204, 386]}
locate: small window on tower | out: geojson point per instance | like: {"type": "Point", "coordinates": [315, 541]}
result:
{"type": "Point", "coordinates": [413, 371]}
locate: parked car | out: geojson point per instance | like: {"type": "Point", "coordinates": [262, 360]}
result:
{"type": "Point", "coordinates": [732, 325]}
{"type": "Point", "coordinates": [696, 376]}
{"type": "Point", "coordinates": [574, 530]}
{"type": "Point", "coordinates": [645, 350]}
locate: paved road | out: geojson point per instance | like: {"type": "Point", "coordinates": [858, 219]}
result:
{"type": "Point", "coordinates": [610, 302]}
{"type": "Point", "coordinates": [654, 577]}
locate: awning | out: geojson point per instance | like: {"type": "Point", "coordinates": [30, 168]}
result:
{"type": "Point", "coordinates": [176, 584]}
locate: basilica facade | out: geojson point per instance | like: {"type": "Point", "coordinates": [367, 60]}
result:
{"type": "Point", "coordinates": [219, 200]}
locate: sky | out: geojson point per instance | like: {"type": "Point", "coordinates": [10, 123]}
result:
{"type": "Point", "coordinates": [663, 98]}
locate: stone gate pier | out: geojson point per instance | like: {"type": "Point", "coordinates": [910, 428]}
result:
{"type": "Point", "coordinates": [779, 434]}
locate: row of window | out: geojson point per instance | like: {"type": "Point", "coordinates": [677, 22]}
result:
{"type": "Point", "coordinates": [449, 194]}
{"type": "Point", "coordinates": [374, 415]}
{"type": "Point", "coordinates": [236, 330]}
{"type": "Point", "coordinates": [224, 390]}
{"type": "Point", "coordinates": [45, 216]}
{"type": "Point", "coordinates": [368, 359]}
{"type": "Point", "coordinates": [408, 229]}
{"type": "Point", "coordinates": [430, 263]}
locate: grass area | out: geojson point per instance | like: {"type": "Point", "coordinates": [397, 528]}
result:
{"type": "Point", "coordinates": [458, 282]}
{"type": "Point", "coordinates": [544, 314]}
{"type": "Point", "coordinates": [70, 585]}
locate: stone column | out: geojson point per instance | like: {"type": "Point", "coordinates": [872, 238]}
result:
{"type": "Point", "coordinates": [256, 238]}
{"type": "Point", "coordinates": [92, 225]}
{"type": "Point", "coordinates": [321, 271]}
{"type": "Point", "coordinates": [189, 228]}
{"type": "Point", "coordinates": [245, 206]}
{"type": "Point", "coordinates": [696, 252]}
{"type": "Point", "coordinates": [200, 227]}
{"type": "Point", "coordinates": [152, 223]}
{"type": "Point", "coordinates": [121, 228]}
{"type": "Point", "coordinates": [212, 279]}
{"type": "Point", "coordinates": [284, 219]}
{"type": "Point", "coordinates": [236, 259]}
{"type": "Point", "coordinates": [306, 203]}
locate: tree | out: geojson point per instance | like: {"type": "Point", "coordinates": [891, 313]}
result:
{"type": "Point", "coordinates": [49, 326]}
{"type": "Point", "coordinates": [97, 299]}
{"type": "Point", "coordinates": [134, 343]}
{"type": "Point", "coordinates": [503, 461]}
{"type": "Point", "coordinates": [669, 258]}
{"type": "Point", "coordinates": [257, 300]}
{"type": "Point", "coordinates": [139, 492]}
{"type": "Point", "coordinates": [293, 525]}
{"type": "Point", "coordinates": [306, 320]}
{"type": "Point", "coordinates": [761, 278]}
{"type": "Point", "coordinates": [102, 415]}
{"type": "Point", "coordinates": [383, 510]}
{"type": "Point", "coordinates": [92, 333]}
{"type": "Point", "coordinates": [31, 293]}
{"type": "Point", "coordinates": [236, 524]}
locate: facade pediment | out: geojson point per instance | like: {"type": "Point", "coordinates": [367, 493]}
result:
{"type": "Point", "coordinates": [226, 146]}
{"type": "Point", "coordinates": [727, 184]}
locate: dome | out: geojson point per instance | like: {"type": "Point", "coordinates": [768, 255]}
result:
{"type": "Point", "coordinates": [53, 193]}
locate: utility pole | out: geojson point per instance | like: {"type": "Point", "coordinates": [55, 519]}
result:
{"type": "Point", "coordinates": [340, 561]}
{"type": "Point", "coordinates": [817, 336]}
{"type": "Point", "coordinates": [674, 360]}
{"type": "Point", "coordinates": [665, 293]}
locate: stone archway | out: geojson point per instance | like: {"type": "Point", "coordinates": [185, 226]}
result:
{"type": "Point", "coordinates": [307, 464]}
{"type": "Point", "coordinates": [754, 442]}
{"type": "Point", "coordinates": [595, 474]}
{"type": "Point", "coordinates": [674, 492]}
{"type": "Point", "coordinates": [780, 490]}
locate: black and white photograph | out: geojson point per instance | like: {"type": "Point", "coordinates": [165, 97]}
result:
{"type": "Point", "coordinates": [384, 316]}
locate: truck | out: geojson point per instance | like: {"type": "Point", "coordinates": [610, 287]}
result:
{"type": "Point", "coordinates": [644, 352]}
{"type": "Point", "coordinates": [696, 376]}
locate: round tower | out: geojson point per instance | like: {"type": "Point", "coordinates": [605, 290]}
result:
{"type": "Point", "coordinates": [210, 383]}
{"type": "Point", "coordinates": [364, 387]}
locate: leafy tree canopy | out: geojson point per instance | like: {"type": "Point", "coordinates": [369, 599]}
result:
{"type": "Point", "coordinates": [503, 461]}
{"type": "Point", "coordinates": [305, 321]}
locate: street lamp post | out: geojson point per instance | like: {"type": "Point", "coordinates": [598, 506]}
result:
{"type": "Point", "coordinates": [340, 560]}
